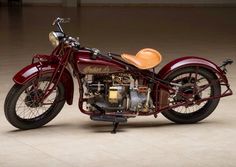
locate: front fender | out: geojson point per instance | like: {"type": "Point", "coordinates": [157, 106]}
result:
{"type": "Point", "coordinates": [29, 72]}
{"type": "Point", "coordinates": [191, 61]}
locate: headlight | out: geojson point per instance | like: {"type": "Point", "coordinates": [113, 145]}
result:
{"type": "Point", "coordinates": [53, 38]}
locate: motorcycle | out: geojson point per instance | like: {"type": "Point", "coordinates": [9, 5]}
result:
{"type": "Point", "coordinates": [113, 87]}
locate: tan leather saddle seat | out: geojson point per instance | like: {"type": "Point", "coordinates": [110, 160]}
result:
{"type": "Point", "coordinates": [145, 59]}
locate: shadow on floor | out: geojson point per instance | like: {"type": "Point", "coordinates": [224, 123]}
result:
{"type": "Point", "coordinates": [104, 127]}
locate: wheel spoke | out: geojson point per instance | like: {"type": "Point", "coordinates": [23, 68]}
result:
{"type": "Point", "coordinates": [201, 88]}
{"type": "Point", "coordinates": [27, 106]}
{"type": "Point", "coordinates": [189, 77]}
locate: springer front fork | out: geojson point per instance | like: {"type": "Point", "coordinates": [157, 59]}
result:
{"type": "Point", "coordinates": [56, 74]}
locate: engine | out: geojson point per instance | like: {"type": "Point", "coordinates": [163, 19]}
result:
{"type": "Point", "coordinates": [116, 92]}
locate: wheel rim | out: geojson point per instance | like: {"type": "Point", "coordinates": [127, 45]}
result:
{"type": "Point", "coordinates": [196, 86]}
{"type": "Point", "coordinates": [28, 107]}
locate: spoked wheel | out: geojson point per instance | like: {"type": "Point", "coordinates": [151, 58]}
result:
{"type": "Point", "coordinates": [24, 109]}
{"type": "Point", "coordinates": [196, 84]}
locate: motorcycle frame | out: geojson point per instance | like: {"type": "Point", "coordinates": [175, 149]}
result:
{"type": "Point", "coordinates": [62, 55]}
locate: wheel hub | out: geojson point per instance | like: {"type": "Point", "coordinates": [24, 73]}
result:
{"type": "Point", "coordinates": [33, 98]}
{"type": "Point", "coordinates": [188, 90]}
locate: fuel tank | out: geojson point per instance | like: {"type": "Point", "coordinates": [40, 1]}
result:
{"type": "Point", "coordinates": [86, 65]}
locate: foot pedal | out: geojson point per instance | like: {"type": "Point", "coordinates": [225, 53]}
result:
{"type": "Point", "coordinates": [108, 118]}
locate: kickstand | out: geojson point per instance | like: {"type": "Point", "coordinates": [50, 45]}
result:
{"type": "Point", "coordinates": [115, 125]}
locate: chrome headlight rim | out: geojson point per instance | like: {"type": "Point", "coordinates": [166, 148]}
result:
{"type": "Point", "coordinates": [53, 38]}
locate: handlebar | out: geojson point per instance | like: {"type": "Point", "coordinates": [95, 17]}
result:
{"type": "Point", "coordinates": [59, 20]}
{"type": "Point", "coordinates": [95, 52]}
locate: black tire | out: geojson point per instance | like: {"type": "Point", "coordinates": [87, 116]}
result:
{"type": "Point", "coordinates": [206, 109]}
{"type": "Point", "coordinates": [39, 120]}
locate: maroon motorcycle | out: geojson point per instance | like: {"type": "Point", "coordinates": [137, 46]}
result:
{"type": "Point", "coordinates": [113, 87]}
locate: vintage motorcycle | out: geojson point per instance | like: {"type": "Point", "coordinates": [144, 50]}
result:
{"type": "Point", "coordinates": [113, 87]}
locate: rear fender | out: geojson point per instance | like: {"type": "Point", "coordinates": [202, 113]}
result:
{"type": "Point", "coordinates": [193, 62]}
{"type": "Point", "coordinates": [29, 72]}
{"type": "Point", "coordinates": [182, 62]}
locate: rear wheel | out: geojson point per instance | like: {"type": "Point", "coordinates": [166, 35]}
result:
{"type": "Point", "coordinates": [197, 84]}
{"type": "Point", "coordinates": [24, 111]}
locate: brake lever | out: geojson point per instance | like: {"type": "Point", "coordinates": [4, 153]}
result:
{"type": "Point", "coordinates": [61, 20]}
{"type": "Point", "coordinates": [65, 20]}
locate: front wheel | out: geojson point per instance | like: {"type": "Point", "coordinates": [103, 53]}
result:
{"type": "Point", "coordinates": [197, 83]}
{"type": "Point", "coordinates": [24, 111]}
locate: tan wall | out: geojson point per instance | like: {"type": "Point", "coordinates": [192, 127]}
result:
{"type": "Point", "coordinates": [131, 2]}
{"type": "Point", "coordinates": [158, 1]}
{"type": "Point", "coordinates": [51, 2]}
